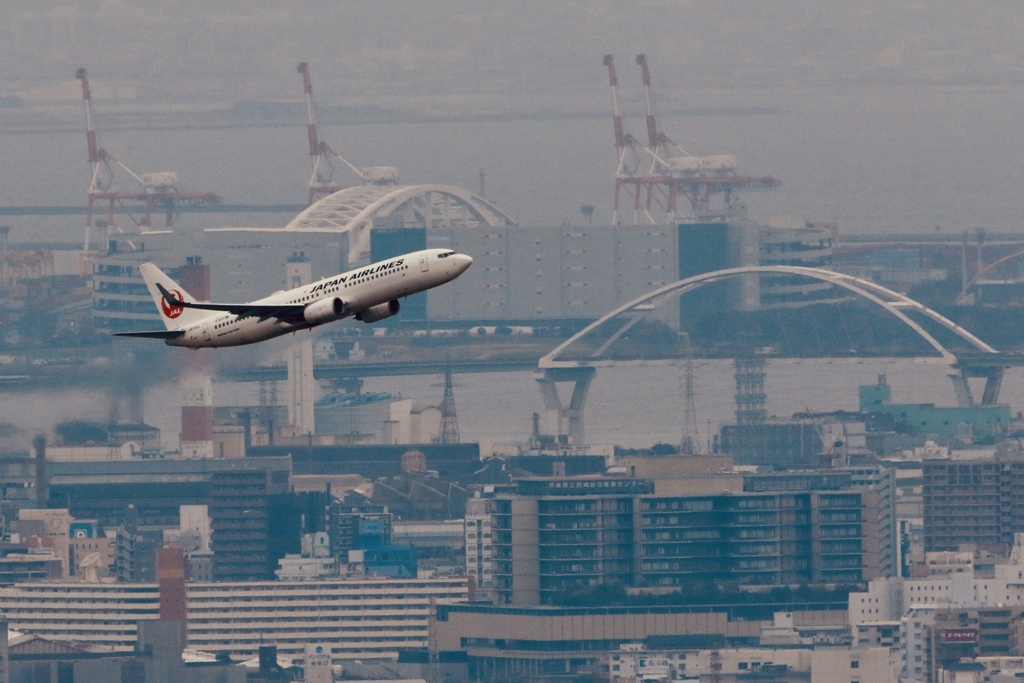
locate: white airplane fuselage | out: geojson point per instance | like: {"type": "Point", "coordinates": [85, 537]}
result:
{"type": "Point", "coordinates": [369, 294]}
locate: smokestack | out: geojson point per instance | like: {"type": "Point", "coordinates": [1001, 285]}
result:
{"type": "Point", "coordinates": [301, 385]}
{"type": "Point", "coordinates": [196, 372]}
{"type": "Point", "coordinates": [171, 574]}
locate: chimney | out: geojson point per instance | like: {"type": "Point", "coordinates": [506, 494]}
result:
{"type": "Point", "coordinates": [196, 372]}
{"type": "Point", "coordinates": [171, 573]}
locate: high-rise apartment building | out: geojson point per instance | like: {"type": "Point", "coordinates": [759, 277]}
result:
{"type": "Point", "coordinates": [875, 478]}
{"type": "Point", "coordinates": [976, 502]}
{"type": "Point", "coordinates": [240, 527]}
{"type": "Point", "coordinates": [556, 534]}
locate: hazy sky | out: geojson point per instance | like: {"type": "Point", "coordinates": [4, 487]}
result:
{"type": "Point", "coordinates": [881, 115]}
{"type": "Point", "coordinates": [237, 49]}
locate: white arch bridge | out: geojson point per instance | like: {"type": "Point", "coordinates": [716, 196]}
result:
{"type": "Point", "coordinates": [356, 210]}
{"type": "Point", "coordinates": [983, 361]}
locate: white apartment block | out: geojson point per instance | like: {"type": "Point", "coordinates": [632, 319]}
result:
{"type": "Point", "coordinates": [357, 619]}
{"type": "Point", "coordinates": [911, 603]}
{"type": "Point", "coordinates": [891, 598]}
{"type": "Point", "coordinates": [914, 602]}
{"type": "Point", "coordinates": [103, 614]}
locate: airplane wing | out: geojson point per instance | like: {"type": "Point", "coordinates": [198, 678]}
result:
{"type": "Point", "coordinates": [162, 334]}
{"type": "Point", "coordinates": [285, 312]}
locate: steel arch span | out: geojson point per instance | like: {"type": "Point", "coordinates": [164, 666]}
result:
{"type": "Point", "coordinates": [551, 369]}
{"type": "Point", "coordinates": [892, 302]}
{"type": "Point", "coordinates": [356, 210]}
{"type": "Point", "coordinates": [965, 297]}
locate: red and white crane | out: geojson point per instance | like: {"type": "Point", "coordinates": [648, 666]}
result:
{"type": "Point", "coordinates": [158, 191]}
{"type": "Point", "coordinates": [321, 155]}
{"type": "Point", "coordinates": [658, 144]}
{"type": "Point", "coordinates": [672, 174]}
{"type": "Point", "coordinates": [626, 146]}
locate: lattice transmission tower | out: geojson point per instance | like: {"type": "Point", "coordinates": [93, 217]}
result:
{"type": "Point", "coordinates": [688, 444]}
{"type": "Point", "coordinates": [449, 420]}
{"type": "Point", "coordinates": [750, 396]}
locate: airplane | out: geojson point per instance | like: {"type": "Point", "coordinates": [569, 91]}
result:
{"type": "Point", "coordinates": [368, 294]}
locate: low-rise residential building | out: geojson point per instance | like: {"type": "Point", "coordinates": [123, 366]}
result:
{"type": "Point", "coordinates": [852, 665]}
{"type": "Point", "coordinates": [302, 568]}
{"type": "Point", "coordinates": [158, 658]}
{"type": "Point", "coordinates": [820, 664]}
{"type": "Point", "coordinates": [957, 613]}
{"type": "Point", "coordinates": [355, 619]}
{"type": "Point", "coordinates": [1002, 669]}
{"type": "Point", "coordinates": [529, 643]}
{"type": "Point", "coordinates": [30, 567]}
{"type": "Point", "coordinates": [730, 665]}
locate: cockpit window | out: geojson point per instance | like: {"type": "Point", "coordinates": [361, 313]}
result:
{"type": "Point", "coordinates": [446, 254]}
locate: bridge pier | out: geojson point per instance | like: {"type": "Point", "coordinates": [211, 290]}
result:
{"type": "Point", "coordinates": [991, 367]}
{"type": "Point", "coordinates": [570, 419]}
{"type": "Point", "coordinates": [993, 383]}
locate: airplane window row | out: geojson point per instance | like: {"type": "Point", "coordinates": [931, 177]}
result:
{"type": "Point", "coordinates": [356, 282]}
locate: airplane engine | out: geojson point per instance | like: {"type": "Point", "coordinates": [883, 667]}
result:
{"type": "Point", "coordinates": [378, 312]}
{"type": "Point", "coordinates": [324, 311]}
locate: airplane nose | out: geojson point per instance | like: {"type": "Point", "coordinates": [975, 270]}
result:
{"type": "Point", "coordinates": [462, 262]}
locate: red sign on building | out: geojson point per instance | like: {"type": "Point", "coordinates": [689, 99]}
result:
{"type": "Point", "coordinates": [958, 635]}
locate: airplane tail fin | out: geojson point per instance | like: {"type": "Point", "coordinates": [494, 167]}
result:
{"type": "Point", "coordinates": [174, 316]}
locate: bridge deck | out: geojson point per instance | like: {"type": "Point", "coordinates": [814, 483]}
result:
{"type": "Point", "coordinates": [345, 370]}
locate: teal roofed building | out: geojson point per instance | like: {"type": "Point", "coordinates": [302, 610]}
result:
{"type": "Point", "coordinates": [976, 424]}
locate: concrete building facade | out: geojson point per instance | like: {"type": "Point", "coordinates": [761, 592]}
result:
{"type": "Point", "coordinates": [551, 535]}
{"type": "Point", "coordinates": [104, 490]}
{"type": "Point", "coordinates": [818, 664]}
{"type": "Point", "coordinates": [954, 614]}
{"type": "Point", "coordinates": [479, 539]}
{"type": "Point", "coordinates": [535, 643]}
{"type": "Point", "coordinates": [355, 619]}
{"type": "Point", "coordinates": [973, 502]}
{"type": "Point", "coordinates": [239, 525]}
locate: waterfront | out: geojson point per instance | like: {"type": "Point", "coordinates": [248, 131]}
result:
{"type": "Point", "coordinates": [870, 159]}
{"type": "Point", "coordinates": [634, 406]}
{"type": "Point", "coordinates": [642, 405]}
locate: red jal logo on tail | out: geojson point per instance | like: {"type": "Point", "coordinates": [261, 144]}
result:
{"type": "Point", "coordinates": [170, 310]}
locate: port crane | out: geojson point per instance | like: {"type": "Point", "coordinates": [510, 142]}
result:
{"type": "Point", "coordinates": [157, 192]}
{"type": "Point", "coordinates": [322, 156]}
{"type": "Point", "coordinates": [661, 177]}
